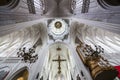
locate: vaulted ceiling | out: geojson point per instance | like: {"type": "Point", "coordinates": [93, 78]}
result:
{"type": "Point", "coordinates": [89, 34]}
{"type": "Point", "coordinates": [58, 8]}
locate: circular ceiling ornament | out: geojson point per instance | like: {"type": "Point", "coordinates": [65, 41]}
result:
{"type": "Point", "coordinates": [58, 27]}
{"type": "Point", "coordinates": [58, 24]}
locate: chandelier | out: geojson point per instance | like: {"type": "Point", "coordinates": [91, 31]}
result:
{"type": "Point", "coordinates": [27, 56]}
{"type": "Point", "coordinates": [92, 52]}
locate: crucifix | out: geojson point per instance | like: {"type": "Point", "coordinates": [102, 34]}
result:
{"type": "Point", "coordinates": [59, 65]}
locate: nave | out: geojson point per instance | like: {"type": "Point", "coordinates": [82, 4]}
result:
{"type": "Point", "coordinates": [60, 49]}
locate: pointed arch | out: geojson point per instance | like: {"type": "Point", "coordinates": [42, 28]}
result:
{"type": "Point", "coordinates": [4, 2]}
{"type": "Point", "coordinates": [21, 74]}
{"type": "Point", "coordinates": [8, 4]}
{"type": "Point", "coordinates": [113, 5]}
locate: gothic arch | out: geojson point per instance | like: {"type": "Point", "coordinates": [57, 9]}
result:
{"type": "Point", "coordinates": [21, 73]}
{"type": "Point", "coordinates": [60, 50]}
{"type": "Point", "coordinates": [8, 4]}
{"type": "Point", "coordinates": [109, 4]}
{"type": "Point", "coordinates": [4, 2]}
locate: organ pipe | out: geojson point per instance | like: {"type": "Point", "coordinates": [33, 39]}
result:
{"type": "Point", "coordinates": [99, 67]}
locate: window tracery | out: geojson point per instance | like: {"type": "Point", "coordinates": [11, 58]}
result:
{"type": "Point", "coordinates": [85, 6]}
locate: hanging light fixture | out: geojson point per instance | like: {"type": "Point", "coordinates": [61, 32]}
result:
{"type": "Point", "coordinates": [92, 52]}
{"type": "Point", "coordinates": [27, 56]}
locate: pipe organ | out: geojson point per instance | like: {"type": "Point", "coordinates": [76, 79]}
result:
{"type": "Point", "coordinates": [99, 67]}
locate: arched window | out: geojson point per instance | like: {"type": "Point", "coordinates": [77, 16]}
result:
{"type": "Point", "coordinates": [21, 74]}
{"type": "Point", "coordinates": [113, 2]}
{"type": "Point", "coordinates": [8, 4]}
{"type": "Point", "coordinates": [4, 2]}
{"type": "Point", "coordinates": [109, 4]}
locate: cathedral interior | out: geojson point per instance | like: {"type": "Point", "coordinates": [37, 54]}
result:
{"type": "Point", "coordinates": [59, 39]}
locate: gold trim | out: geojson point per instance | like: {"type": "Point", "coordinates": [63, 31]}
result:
{"type": "Point", "coordinates": [58, 24]}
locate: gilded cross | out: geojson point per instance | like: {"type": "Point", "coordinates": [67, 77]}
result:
{"type": "Point", "coordinates": [59, 61]}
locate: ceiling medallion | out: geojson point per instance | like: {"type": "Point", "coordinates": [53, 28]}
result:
{"type": "Point", "coordinates": [58, 24]}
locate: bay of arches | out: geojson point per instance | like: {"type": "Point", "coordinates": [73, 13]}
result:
{"type": "Point", "coordinates": [21, 74]}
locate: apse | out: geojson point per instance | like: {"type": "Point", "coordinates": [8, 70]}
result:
{"type": "Point", "coordinates": [59, 62]}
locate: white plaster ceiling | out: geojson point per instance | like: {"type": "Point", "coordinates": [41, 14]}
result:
{"type": "Point", "coordinates": [66, 66]}
{"type": "Point", "coordinates": [27, 37]}
{"type": "Point", "coordinates": [92, 35]}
